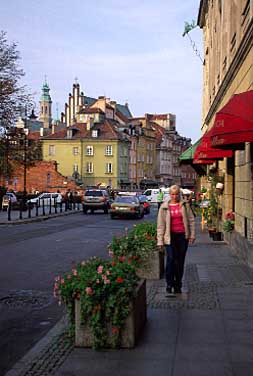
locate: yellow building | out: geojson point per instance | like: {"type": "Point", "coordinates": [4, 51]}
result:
{"type": "Point", "coordinates": [228, 69]}
{"type": "Point", "coordinates": [92, 154]}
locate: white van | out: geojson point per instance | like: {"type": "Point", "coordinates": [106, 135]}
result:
{"type": "Point", "coordinates": [152, 194]}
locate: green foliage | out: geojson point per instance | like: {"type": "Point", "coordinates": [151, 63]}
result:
{"type": "Point", "coordinates": [228, 225]}
{"type": "Point", "coordinates": [189, 27]}
{"type": "Point", "coordinates": [136, 245]}
{"type": "Point", "coordinates": [105, 289]}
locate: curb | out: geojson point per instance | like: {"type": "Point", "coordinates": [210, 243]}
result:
{"type": "Point", "coordinates": [21, 366]}
{"type": "Point", "coordinates": [37, 219]}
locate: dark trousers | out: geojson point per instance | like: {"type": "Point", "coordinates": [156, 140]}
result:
{"type": "Point", "coordinates": [176, 252]}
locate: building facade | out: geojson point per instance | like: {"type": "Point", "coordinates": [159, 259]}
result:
{"type": "Point", "coordinates": [228, 69]}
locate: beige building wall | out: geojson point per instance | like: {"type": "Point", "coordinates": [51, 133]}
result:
{"type": "Point", "coordinates": [228, 70]}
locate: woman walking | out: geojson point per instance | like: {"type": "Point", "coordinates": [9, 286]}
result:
{"type": "Point", "coordinates": [175, 230]}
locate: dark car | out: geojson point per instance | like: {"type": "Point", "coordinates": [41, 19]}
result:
{"type": "Point", "coordinates": [146, 204]}
{"type": "Point", "coordinates": [127, 206]}
{"type": "Point", "coordinates": [96, 199]}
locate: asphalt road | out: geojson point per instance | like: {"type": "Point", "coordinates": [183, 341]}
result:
{"type": "Point", "coordinates": [31, 255]}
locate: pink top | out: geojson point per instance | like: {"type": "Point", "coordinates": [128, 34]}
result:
{"type": "Point", "coordinates": [177, 224]}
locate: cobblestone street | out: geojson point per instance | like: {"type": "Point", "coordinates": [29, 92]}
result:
{"type": "Point", "coordinates": [205, 331]}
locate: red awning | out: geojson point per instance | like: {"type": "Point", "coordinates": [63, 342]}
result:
{"type": "Point", "coordinates": [233, 125]}
{"type": "Point", "coordinates": [204, 150]}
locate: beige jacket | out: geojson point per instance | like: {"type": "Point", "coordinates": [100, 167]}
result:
{"type": "Point", "coordinates": [163, 222]}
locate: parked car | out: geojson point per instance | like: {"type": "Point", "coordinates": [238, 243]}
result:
{"type": "Point", "coordinates": [146, 205]}
{"type": "Point", "coordinates": [96, 199]}
{"type": "Point", "coordinates": [46, 198]}
{"type": "Point", "coordinates": [7, 198]}
{"type": "Point", "coordinates": [127, 206]}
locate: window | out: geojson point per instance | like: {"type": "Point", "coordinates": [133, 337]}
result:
{"type": "Point", "coordinates": [75, 167]}
{"type": "Point", "coordinates": [94, 133]}
{"type": "Point", "coordinates": [75, 151]}
{"type": "Point", "coordinates": [108, 150]}
{"type": "Point", "coordinates": [89, 150]}
{"type": "Point", "coordinates": [51, 150]}
{"type": "Point", "coordinates": [89, 167]}
{"type": "Point", "coordinates": [108, 168]}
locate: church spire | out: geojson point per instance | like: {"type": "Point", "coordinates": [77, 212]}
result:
{"type": "Point", "coordinates": [46, 105]}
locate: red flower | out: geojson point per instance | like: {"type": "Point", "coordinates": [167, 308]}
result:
{"type": "Point", "coordinates": [78, 295]}
{"type": "Point", "coordinates": [115, 330]}
{"type": "Point", "coordinates": [121, 258]}
{"type": "Point", "coordinates": [113, 263]}
{"type": "Point", "coordinates": [120, 280]}
{"type": "Point", "coordinates": [230, 215]}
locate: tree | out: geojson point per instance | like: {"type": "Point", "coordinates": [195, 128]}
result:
{"type": "Point", "coordinates": [12, 94]}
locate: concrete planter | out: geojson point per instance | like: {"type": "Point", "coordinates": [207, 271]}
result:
{"type": "Point", "coordinates": [153, 268]}
{"type": "Point", "coordinates": [133, 325]}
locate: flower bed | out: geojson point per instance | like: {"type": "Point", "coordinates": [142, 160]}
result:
{"type": "Point", "coordinates": [133, 323]}
{"type": "Point", "coordinates": [105, 291]}
{"type": "Point", "coordinates": [138, 247]}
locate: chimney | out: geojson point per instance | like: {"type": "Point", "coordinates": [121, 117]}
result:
{"type": "Point", "coordinates": [113, 104]}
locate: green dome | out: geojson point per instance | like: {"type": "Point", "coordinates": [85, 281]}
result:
{"type": "Point", "coordinates": [45, 96]}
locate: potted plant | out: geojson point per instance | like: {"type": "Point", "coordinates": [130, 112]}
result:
{"type": "Point", "coordinates": [100, 296]}
{"type": "Point", "coordinates": [229, 222]}
{"type": "Point", "coordinates": [139, 246]}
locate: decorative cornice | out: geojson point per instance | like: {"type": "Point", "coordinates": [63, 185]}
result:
{"type": "Point", "coordinates": [246, 44]}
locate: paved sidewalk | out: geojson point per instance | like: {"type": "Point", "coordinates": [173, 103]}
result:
{"type": "Point", "coordinates": [205, 332]}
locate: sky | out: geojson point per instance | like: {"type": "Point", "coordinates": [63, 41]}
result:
{"type": "Point", "coordinates": [128, 50]}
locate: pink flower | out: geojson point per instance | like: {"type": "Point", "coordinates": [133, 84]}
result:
{"type": "Point", "coordinates": [97, 280]}
{"type": "Point", "coordinates": [110, 252]}
{"type": "Point", "coordinates": [100, 269]}
{"type": "Point", "coordinates": [62, 281]}
{"type": "Point", "coordinates": [104, 276]}
{"type": "Point", "coordinates": [107, 281]}
{"type": "Point", "coordinates": [108, 272]}
{"type": "Point", "coordinates": [83, 263]}
{"type": "Point", "coordinates": [68, 276]}
{"type": "Point", "coordinates": [57, 279]}
{"type": "Point", "coordinates": [89, 291]}
{"type": "Point", "coordinates": [74, 271]}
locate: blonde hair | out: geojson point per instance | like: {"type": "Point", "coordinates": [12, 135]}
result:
{"type": "Point", "coordinates": [175, 188]}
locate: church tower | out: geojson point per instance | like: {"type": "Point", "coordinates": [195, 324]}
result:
{"type": "Point", "coordinates": [46, 106]}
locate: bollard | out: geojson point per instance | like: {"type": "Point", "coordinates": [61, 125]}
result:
{"type": "Point", "coordinates": [37, 209]}
{"type": "Point", "coordinates": [61, 207]}
{"type": "Point", "coordinates": [50, 206]}
{"type": "Point", "coordinates": [43, 207]}
{"type": "Point", "coordinates": [9, 211]}
{"type": "Point", "coordinates": [20, 209]}
{"type": "Point", "coordinates": [55, 205]}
